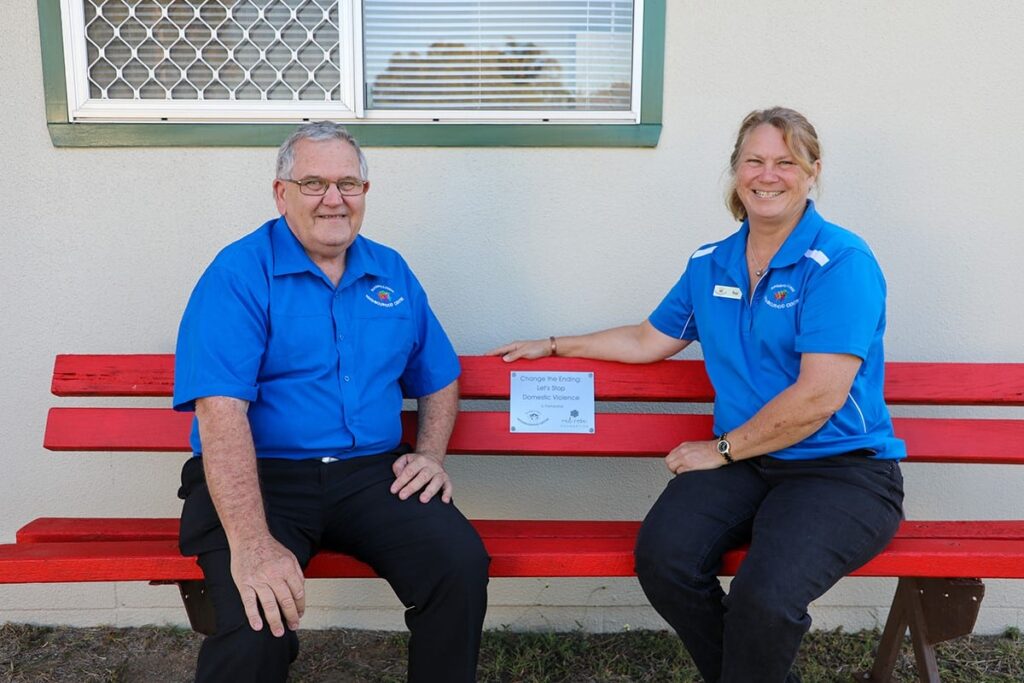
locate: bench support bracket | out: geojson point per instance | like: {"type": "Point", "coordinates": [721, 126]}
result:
{"type": "Point", "coordinates": [935, 610]}
{"type": "Point", "coordinates": [198, 606]}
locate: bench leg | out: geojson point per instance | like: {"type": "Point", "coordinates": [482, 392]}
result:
{"type": "Point", "coordinates": [892, 640]}
{"type": "Point", "coordinates": [924, 646]}
{"type": "Point", "coordinates": [198, 606]}
{"type": "Point", "coordinates": [935, 610]}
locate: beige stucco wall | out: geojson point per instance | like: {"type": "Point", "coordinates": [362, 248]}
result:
{"type": "Point", "coordinates": [919, 106]}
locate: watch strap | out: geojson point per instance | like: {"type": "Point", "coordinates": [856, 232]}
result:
{"type": "Point", "coordinates": [724, 448]}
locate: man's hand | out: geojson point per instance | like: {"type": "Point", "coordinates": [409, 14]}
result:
{"type": "Point", "coordinates": [417, 472]}
{"type": "Point", "coordinates": [691, 456]}
{"type": "Point", "coordinates": [268, 575]}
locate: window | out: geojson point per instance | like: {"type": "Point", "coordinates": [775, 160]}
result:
{"type": "Point", "coordinates": [386, 63]}
{"type": "Point", "coordinates": [516, 60]}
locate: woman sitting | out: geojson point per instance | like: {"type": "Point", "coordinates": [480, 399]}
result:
{"type": "Point", "coordinates": [790, 313]}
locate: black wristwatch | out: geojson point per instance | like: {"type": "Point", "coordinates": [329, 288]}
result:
{"type": "Point", "coordinates": [725, 449]}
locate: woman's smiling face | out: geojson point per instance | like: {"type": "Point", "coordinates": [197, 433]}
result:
{"type": "Point", "coordinates": [771, 181]}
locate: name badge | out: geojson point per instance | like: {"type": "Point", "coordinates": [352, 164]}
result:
{"type": "Point", "coordinates": [728, 292]}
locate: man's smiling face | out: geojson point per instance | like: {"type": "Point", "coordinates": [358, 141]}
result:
{"type": "Point", "coordinates": [327, 225]}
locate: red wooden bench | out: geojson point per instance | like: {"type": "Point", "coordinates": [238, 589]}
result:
{"type": "Point", "coordinates": [940, 563]}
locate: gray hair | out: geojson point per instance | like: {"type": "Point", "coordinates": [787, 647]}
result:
{"type": "Point", "coordinates": [316, 131]}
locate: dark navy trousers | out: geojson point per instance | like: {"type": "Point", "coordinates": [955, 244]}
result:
{"type": "Point", "coordinates": [429, 553]}
{"type": "Point", "coordinates": [808, 523]}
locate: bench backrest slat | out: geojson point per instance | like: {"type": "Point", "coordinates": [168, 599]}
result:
{"type": "Point", "coordinates": [642, 433]}
{"type": "Point", "coordinates": [113, 375]}
{"type": "Point", "coordinates": [117, 429]}
{"type": "Point", "coordinates": [487, 433]}
{"type": "Point", "coordinates": [994, 384]}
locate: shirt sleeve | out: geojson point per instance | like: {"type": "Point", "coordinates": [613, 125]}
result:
{"type": "Point", "coordinates": [843, 306]}
{"type": "Point", "coordinates": [221, 339]}
{"type": "Point", "coordinates": [433, 363]}
{"type": "Point", "coordinates": [674, 315]}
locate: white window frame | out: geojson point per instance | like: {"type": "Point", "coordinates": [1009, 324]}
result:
{"type": "Point", "coordinates": [81, 107]}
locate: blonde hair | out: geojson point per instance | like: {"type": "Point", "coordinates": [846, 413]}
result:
{"type": "Point", "coordinates": [797, 132]}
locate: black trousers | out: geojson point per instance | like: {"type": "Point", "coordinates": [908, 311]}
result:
{"type": "Point", "coordinates": [429, 553]}
{"type": "Point", "coordinates": [809, 523]}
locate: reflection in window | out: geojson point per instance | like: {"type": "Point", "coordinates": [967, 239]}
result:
{"type": "Point", "coordinates": [498, 54]}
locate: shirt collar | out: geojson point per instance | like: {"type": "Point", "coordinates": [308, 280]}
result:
{"type": "Point", "coordinates": [730, 253]}
{"type": "Point", "coordinates": [801, 239]}
{"type": "Point", "coordinates": [290, 257]}
{"type": "Point", "coordinates": [360, 260]}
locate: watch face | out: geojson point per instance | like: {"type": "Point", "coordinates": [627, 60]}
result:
{"type": "Point", "coordinates": [723, 446]}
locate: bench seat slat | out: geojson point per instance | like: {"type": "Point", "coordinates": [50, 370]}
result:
{"type": "Point", "coordinates": [486, 377]}
{"type": "Point", "coordinates": [77, 529]}
{"type": "Point", "coordinates": [73, 529]}
{"type": "Point", "coordinates": [614, 557]}
{"type": "Point", "coordinates": [486, 433]}
{"type": "Point", "coordinates": [543, 557]}
{"type": "Point", "coordinates": [83, 529]}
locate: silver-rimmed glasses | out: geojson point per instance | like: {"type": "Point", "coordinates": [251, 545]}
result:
{"type": "Point", "coordinates": [317, 187]}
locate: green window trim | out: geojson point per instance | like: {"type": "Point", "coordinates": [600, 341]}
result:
{"type": "Point", "coordinates": [65, 133]}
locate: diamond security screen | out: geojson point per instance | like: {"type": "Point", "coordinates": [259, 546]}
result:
{"type": "Point", "coordinates": [212, 49]}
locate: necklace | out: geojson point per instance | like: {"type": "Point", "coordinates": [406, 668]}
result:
{"type": "Point", "coordinates": [760, 265]}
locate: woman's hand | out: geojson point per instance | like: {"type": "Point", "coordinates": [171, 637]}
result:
{"type": "Point", "coordinates": [691, 456]}
{"type": "Point", "coordinates": [537, 348]}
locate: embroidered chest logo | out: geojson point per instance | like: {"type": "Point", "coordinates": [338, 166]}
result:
{"type": "Point", "coordinates": [781, 296]}
{"type": "Point", "coordinates": [383, 296]}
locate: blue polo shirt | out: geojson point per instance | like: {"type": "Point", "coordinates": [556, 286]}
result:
{"type": "Point", "coordinates": [324, 368]}
{"type": "Point", "coordinates": [823, 293]}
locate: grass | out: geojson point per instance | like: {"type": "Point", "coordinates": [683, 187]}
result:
{"type": "Point", "coordinates": [122, 655]}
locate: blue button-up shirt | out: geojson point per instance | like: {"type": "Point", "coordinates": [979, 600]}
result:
{"type": "Point", "coordinates": [823, 293]}
{"type": "Point", "coordinates": [324, 368]}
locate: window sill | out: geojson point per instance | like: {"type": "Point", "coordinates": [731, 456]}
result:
{"type": "Point", "coordinates": [368, 134]}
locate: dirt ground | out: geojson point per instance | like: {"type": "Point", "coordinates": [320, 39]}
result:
{"type": "Point", "coordinates": [166, 655]}
{"type": "Point", "coordinates": [41, 654]}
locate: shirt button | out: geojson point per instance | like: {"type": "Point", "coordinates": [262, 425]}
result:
{"type": "Point", "coordinates": [346, 378]}
{"type": "Point", "coordinates": [341, 337]}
